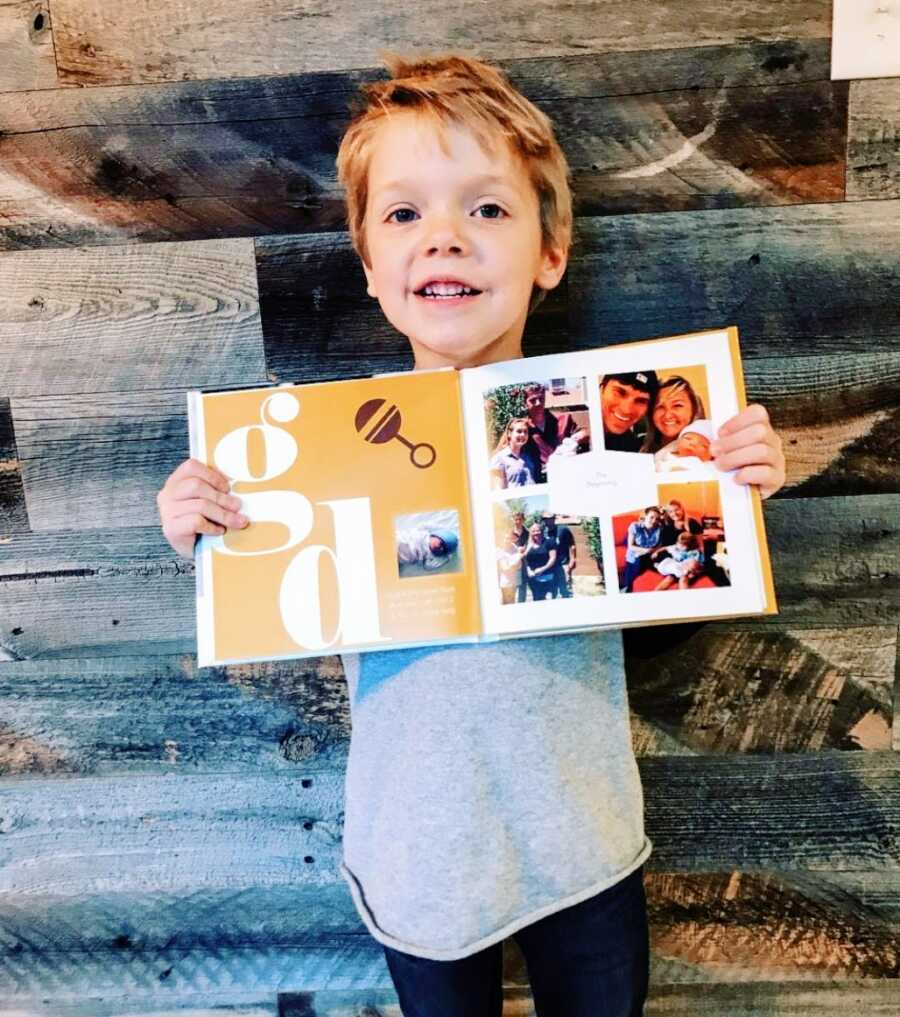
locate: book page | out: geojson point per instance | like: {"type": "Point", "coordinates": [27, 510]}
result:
{"type": "Point", "coordinates": [360, 534]}
{"type": "Point", "coordinates": [587, 453]}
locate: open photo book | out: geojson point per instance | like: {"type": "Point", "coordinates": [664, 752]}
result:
{"type": "Point", "coordinates": [539, 495]}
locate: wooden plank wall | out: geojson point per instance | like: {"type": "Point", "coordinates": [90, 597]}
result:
{"type": "Point", "coordinates": [169, 218]}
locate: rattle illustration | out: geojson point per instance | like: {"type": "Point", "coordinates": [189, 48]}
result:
{"type": "Point", "coordinates": [385, 422]}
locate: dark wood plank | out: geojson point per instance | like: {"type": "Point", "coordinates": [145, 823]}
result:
{"type": "Point", "coordinates": [126, 592]}
{"type": "Point", "coordinates": [786, 999]}
{"type": "Point", "coordinates": [769, 690]}
{"type": "Point", "coordinates": [13, 512]}
{"type": "Point", "coordinates": [709, 126]}
{"type": "Point", "coordinates": [129, 318]}
{"type": "Point", "coordinates": [26, 41]}
{"type": "Point", "coordinates": [164, 715]}
{"type": "Point", "coordinates": [798, 281]}
{"type": "Point", "coordinates": [168, 42]}
{"type": "Point", "coordinates": [873, 143]}
{"type": "Point", "coordinates": [822, 811]}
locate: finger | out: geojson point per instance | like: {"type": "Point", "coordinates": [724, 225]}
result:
{"type": "Point", "coordinates": [197, 487]}
{"type": "Point", "coordinates": [749, 435]}
{"type": "Point", "coordinates": [194, 507]}
{"type": "Point", "coordinates": [765, 477]}
{"type": "Point", "coordinates": [194, 468]}
{"type": "Point", "coordinates": [184, 528]}
{"type": "Point", "coordinates": [759, 454]}
{"type": "Point", "coordinates": [753, 414]}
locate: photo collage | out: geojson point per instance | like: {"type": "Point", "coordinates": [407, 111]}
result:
{"type": "Point", "coordinates": [677, 542]}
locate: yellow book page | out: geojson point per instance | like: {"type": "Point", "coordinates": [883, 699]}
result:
{"type": "Point", "coordinates": [360, 532]}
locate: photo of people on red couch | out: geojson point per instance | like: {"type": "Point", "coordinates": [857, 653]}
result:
{"type": "Point", "coordinates": [677, 544]}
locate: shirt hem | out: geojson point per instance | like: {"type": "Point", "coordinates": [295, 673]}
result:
{"type": "Point", "coordinates": [416, 950]}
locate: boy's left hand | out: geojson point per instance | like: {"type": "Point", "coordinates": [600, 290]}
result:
{"type": "Point", "coordinates": [748, 444]}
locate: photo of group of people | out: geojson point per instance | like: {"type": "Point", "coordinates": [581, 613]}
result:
{"type": "Point", "coordinates": [663, 414]}
{"type": "Point", "coordinates": [528, 423]}
{"type": "Point", "coordinates": [677, 544]}
{"type": "Point", "coordinates": [544, 556]}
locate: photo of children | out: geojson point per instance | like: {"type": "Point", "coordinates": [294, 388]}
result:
{"type": "Point", "coordinates": [543, 556]}
{"type": "Point", "coordinates": [647, 411]}
{"type": "Point", "coordinates": [529, 422]}
{"type": "Point", "coordinates": [427, 542]}
{"type": "Point", "coordinates": [677, 544]}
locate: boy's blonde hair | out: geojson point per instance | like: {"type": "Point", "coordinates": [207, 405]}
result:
{"type": "Point", "coordinates": [458, 89]}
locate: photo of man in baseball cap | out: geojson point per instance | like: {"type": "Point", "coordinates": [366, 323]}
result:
{"type": "Point", "coordinates": [625, 401]}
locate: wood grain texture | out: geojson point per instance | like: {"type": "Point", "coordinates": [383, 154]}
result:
{"type": "Point", "coordinates": [26, 42]}
{"type": "Point", "coordinates": [821, 811]}
{"type": "Point", "coordinates": [13, 512]}
{"type": "Point", "coordinates": [710, 126]}
{"type": "Point", "coordinates": [873, 140]}
{"type": "Point", "coordinates": [760, 999]}
{"type": "Point", "coordinates": [164, 715]}
{"type": "Point", "coordinates": [129, 318]}
{"type": "Point", "coordinates": [170, 42]}
{"type": "Point", "coordinates": [211, 1003]}
{"type": "Point", "coordinates": [769, 690]}
{"type": "Point", "coordinates": [798, 281]}
{"type": "Point", "coordinates": [125, 592]}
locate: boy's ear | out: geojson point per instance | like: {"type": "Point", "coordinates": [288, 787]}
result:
{"type": "Point", "coordinates": [553, 264]}
{"type": "Point", "coordinates": [370, 279]}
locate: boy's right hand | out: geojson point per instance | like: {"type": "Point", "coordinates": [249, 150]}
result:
{"type": "Point", "coordinates": [196, 499]}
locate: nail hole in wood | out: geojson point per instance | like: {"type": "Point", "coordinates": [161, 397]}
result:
{"type": "Point", "coordinates": [38, 22]}
{"type": "Point", "coordinates": [307, 825]}
{"type": "Point", "coordinates": [306, 782]}
{"type": "Point", "coordinates": [308, 859]}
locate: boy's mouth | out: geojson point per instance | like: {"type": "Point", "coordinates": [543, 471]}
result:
{"type": "Point", "coordinates": [447, 291]}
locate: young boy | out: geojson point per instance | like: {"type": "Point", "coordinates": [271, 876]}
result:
{"type": "Point", "coordinates": [491, 790]}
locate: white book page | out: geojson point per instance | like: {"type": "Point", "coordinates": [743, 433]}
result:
{"type": "Point", "coordinates": [610, 485]}
{"type": "Point", "coordinates": [202, 559]}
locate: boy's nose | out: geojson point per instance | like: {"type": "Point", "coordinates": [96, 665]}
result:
{"type": "Point", "coordinates": [447, 236]}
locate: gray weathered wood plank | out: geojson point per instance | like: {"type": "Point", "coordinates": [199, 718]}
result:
{"type": "Point", "coordinates": [129, 318]}
{"type": "Point", "coordinates": [171, 42]}
{"type": "Point", "coordinates": [26, 41]}
{"type": "Point", "coordinates": [126, 592]}
{"type": "Point", "coordinates": [164, 715]}
{"type": "Point", "coordinates": [797, 281]}
{"type": "Point", "coordinates": [746, 124]}
{"type": "Point", "coordinates": [826, 811]}
{"type": "Point", "coordinates": [873, 141]}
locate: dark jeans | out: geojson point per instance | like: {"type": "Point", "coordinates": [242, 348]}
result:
{"type": "Point", "coordinates": [588, 960]}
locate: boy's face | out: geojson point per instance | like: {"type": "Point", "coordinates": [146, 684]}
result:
{"type": "Point", "coordinates": [435, 217]}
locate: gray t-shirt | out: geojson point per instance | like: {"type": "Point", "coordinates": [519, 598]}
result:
{"type": "Point", "coordinates": [488, 786]}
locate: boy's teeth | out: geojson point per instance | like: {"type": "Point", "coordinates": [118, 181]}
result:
{"type": "Point", "coordinates": [446, 290]}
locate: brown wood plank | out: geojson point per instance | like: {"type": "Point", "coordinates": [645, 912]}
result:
{"type": "Point", "coordinates": [768, 690]}
{"type": "Point", "coordinates": [873, 142]}
{"type": "Point", "coordinates": [821, 811]}
{"type": "Point", "coordinates": [170, 42]}
{"type": "Point", "coordinates": [164, 715]}
{"type": "Point", "coordinates": [26, 42]}
{"type": "Point", "coordinates": [752, 123]}
{"type": "Point", "coordinates": [126, 592]}
{"type": "Point", "coordinates": [798, 281]}
{"type": "Point", "coordinates": [13, 513]}
{"type": "Point", "coordinates": [129, 318]}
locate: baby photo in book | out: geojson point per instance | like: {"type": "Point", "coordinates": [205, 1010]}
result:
{"type": "Point", "coordinates": [664, 413]}
{"type": "Point", "coordinates": [542, 555]}
{"type": "Point", "coordinates": [678, 543]}
{"type": "Point", "coordinates": [529, 422]}
{"type": "Point", "coordinates": [427, 542]}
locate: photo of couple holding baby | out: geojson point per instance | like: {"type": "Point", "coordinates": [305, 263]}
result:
{"type": "Point", "coordinates": [660, 414]}
{"type": "Point", "coordinates": [527, 431]}
{"type": "Point", "coordinates": [675, 547]}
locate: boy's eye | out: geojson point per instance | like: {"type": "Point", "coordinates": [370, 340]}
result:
{"type": "Point", "coordinates": [495, 210]}
{"type": "Point", "coordinates": [403, 214]}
